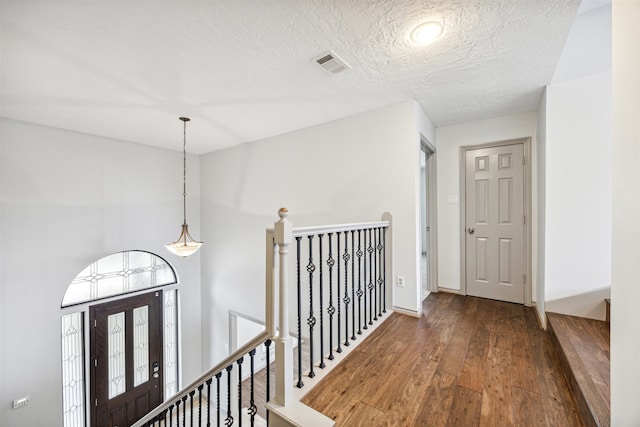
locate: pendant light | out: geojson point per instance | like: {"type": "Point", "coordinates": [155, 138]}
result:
{"type": "Point", "coordinates": [185, 245]}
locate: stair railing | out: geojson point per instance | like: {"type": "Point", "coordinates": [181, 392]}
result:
{"type": "Point", "coordinates": [356, 258]}
{"type": "Point", "coordinates": [225, 379]}
{"type": "Point", "coordinates": [340, 288]}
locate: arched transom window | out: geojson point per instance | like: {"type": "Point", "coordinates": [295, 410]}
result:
{"type": "Point", "coordinates": [118, 274]}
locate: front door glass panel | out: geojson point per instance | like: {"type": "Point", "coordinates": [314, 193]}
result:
{"type": "Point", "coordinates": [117, 356]}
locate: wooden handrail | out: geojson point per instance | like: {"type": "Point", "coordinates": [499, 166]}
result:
{"type": "Point", "coordinates": [219, 367]}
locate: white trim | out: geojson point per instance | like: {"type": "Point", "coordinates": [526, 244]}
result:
{"type": "Point", "coordinates": [541, 322]}
{"type": "Point", "coordinates": [306, 231]}
{"type": "Point", "coordinates": [433, 219]}
{"type": "Point", "coordinates": [449, 291]}
{"type": "Point", "coordinates": [407, 312]}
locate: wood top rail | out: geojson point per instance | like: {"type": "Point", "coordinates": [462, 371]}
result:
{"type": "Point", "coordinates": [219, 367]}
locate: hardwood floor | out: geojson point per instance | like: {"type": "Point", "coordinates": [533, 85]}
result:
{"type": "Point", "coordinates": [584, 355]}
{"type": "Point", "coordinates": [465, 362]}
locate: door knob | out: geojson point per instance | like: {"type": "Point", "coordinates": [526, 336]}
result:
{"type": "Point", "coordinates": [471, 230]}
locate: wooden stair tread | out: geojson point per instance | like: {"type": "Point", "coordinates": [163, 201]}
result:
{"type": "Point", "coordinates": [583, 347]}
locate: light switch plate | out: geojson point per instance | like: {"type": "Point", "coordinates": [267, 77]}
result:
{"type": "Point", "coordinates": [23, 401]}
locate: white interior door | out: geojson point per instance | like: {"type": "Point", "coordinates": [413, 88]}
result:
{"type": "Point", "coordinates": [494, 205]}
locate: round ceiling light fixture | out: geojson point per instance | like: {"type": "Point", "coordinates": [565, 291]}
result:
{"type": "Point", "coordinates": [427, 32]}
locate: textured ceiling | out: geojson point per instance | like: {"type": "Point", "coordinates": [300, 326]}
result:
{"type": "Point", "coordinates": [243, 70]}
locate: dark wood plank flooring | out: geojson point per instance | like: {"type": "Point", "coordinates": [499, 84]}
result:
{"type": "Point", "coordinates": [584, 353]}
{"type": "Point", "coordinates": [465, 362]}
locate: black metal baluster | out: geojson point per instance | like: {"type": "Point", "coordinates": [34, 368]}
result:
{"type": "Point", "coordinates": [359, 292]}
{"type": "Point", "coordinates": [379, 273]}
{"type": "Point", "coordinates": [171, 416]}
{"type": "Point", "coordinates": [209, 381]}
{"type": "Point", "coordinates": [184, 410]}
{"type": "Point", "coordinates": [218, 410]}
{"type": "Point", "coordinates": [229, 420]}
{"type": "Point", "coordinates": [200, 387]}
{"type": "Point", "coordinates": [191, 394]}
{"type": "Point", "coordinates": [338, 277]}
{"type": "Point", "coordinates": [239, 362]}
{"type": "Point", "coordinates": [384, 273]}
{"type": "Point", "coordinates": [321, 297]}
{"type": "Point", "coordinates": [346, 300]}
{"type": "Point", "coordinates": [300, 384]}
{"type": "Point", "coordinates": [370, 285]}
{"type": "Point", "coordinates": [267, 344]}
{"type": "Point", "coordinates": [331, 309]}
{"type": "Point", "coordinates": [353, 287]}
{"type": "Point", "coordinates": [178, 413]}
{"type": "Point", "coordinates": [311, 320]}
{"type": "Point", "coordinates": [252, 410]}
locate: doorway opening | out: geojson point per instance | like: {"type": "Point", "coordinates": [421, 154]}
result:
{"type": "Point", "coordinates": [428, 220]}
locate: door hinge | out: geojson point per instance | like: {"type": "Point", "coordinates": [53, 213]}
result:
{"type": "Point", "coordinates": [524, 219]}
{"type": "Point", "coordinates": [523, 161]}
{"type": "Point", "coordinates": [524, 279]}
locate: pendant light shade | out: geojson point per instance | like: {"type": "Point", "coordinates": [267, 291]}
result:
{"type": "Point", "coordinates": [185, 245]}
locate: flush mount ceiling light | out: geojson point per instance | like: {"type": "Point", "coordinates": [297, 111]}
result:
{"type": "Point", "coordinates": [185, 245]}
{"type": "Point", "coordinates": [427, 32]}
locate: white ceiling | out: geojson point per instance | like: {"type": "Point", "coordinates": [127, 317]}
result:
{"type": "Point", "coordinates": [243, 70]}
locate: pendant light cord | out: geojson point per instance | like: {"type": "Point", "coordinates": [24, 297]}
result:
{"type": "Point", "coordinates": [184, 169]}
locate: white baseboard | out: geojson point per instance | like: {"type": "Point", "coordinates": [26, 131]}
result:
{"type": "Point", "coordinates": [542, 317]}
{"type": "Point", "coordinates": [407, 312]}
{"type": "Point", "coordinates": [450, 291]}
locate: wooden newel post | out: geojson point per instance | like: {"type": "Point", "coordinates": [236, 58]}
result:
{"type": "Point", "coordinates": [283, 235]}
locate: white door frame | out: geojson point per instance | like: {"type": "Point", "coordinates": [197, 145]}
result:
{"type": "Point", "coordinates": [527, 210]}
{"type": "Point", "coordinates": [432, 203]}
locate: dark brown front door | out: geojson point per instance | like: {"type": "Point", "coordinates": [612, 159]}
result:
{"type": "Point", "coordinates": [126, 354]}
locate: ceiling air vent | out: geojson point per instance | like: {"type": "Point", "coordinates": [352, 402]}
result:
{"type": "Point", "coordinates": [332, 63]}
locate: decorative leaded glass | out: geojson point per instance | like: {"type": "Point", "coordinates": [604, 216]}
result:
{"type": "Point", "coordinates": [116, 351]}
{"type": "Point", "coordinates": [73, 408]}
{"type": "Point", "coordinates": [170, 343]}
{"type": "Point", "coordinates": [113, 275]}
{"type": "Point", "coordinates": [140, 345]}
{"type": "Point", "coordinates": [117, 274]}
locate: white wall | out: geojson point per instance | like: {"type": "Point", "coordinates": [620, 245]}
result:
{"type": "Point", "coordinates": [625, 292]}
{"type": "Point", "coordinates": [578, 186]}
{"type": "Point", "coordinates": [449, 139]}
{"type": "Point", "coordinates": [588, 46]}
{"type": "Point", "coordinates": [349, 170]}
{"type": "Point", "coordinates": [66, 200]}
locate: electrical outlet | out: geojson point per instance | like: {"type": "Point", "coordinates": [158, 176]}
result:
{"type": "Point", "coordinates": [23, 401]}
{"type": "Point", "coordinates": [400, 281]}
